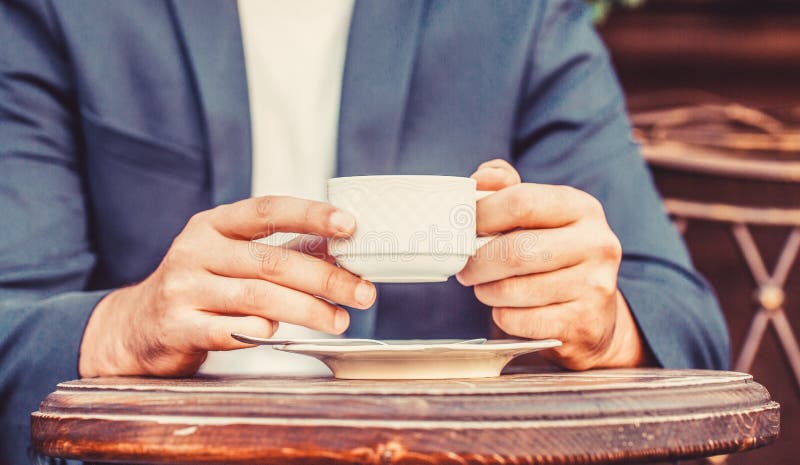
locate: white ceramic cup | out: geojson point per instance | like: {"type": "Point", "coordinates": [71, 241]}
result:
{"type": "Point", "coordinates": [409, 228]}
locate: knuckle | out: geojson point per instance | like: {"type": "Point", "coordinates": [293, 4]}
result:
{"type": "Point", "coordinates": [579, 199]}
{"type": "Point", "coordinates": [515, 259]}
{"type": "Point", "coordinates": [611, 249]}
{"type": "Point", "coordinates": [218, 336]}
{"type": "Point", "coordinates": [605, 245]}
{"type": "Point", "coordinates": [513, 177]}
{"type": "Point", "coordinates": [270, 261]}
{"type": "Point", "coordinates": [190, 325]}
{"type": "Point", "coordinates": [171, 261]}
{"type": "Point", "coordinates": [592, 333]}
{"type": "Point", "coordinates": [308, 213]}
{"type": "Point", "coordinates": [180, 251]}
{"type": "Point", "coordinates": [507, 287]}
{"type": "Point", "coordinates": [590, 204]}
{"type": "Point", "coordinates": [603, 283]}
{"type": "Point", "coordinates": [174, 319]}
{"type": "Point", "coordinates": [519, 204]}
{"type": "Point", "coordinates": [564, 192]}
{"type": "Point", "coordinates": [172, 290]}
{"type": "Point", "coordinates": [266, 206]}
{"type": "Point", "coordinates": [198, 218]}
{"type": "Point", "coordinates": [333, 280]}
{"type": "Point", "coordinates": [599, 240]}
{"type": "Point", "coordinates": [317, 314]}
{"type": "Point", "coordinates": [251, 295]}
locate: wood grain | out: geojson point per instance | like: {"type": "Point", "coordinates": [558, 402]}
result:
{"type": "Point", "coordinates": [607, 416]}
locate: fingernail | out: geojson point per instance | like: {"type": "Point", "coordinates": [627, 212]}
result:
{"type": "Point", "coordinates": [364, 294]}
{"type": "Point", "coordinates": [341, 320]}
{"type": "Point", "coordinates": [342, 221]}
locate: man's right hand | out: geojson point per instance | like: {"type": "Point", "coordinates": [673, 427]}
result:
{"type": "Point", "coordinates": [214, 281]}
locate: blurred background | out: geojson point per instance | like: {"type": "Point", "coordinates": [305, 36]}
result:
{"type": "Point", "coordinates": [713, 89]}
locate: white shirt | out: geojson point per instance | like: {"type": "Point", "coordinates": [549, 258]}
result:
{"type": "Point", "coordinates": [294, 54]}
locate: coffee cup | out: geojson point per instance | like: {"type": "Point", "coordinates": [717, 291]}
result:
{"type": "Point", "coordinates": [409, 228]}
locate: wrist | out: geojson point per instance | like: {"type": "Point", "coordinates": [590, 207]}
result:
{"type": "Point", "coordinates": [627, 347]}
{"type": "Point", "coordinates": [104, 349]}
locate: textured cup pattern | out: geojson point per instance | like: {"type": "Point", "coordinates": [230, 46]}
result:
{"type": "Point", "coordinates": [402, 216]}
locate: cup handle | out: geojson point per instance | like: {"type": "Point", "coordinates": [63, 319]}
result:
{"type": "Point", "coordinates": [480, 241]}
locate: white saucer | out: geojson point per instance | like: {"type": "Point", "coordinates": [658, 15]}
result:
{"type": "Point", "coordinates": [420, 359]}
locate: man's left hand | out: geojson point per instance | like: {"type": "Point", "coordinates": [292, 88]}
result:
{"type": "Point", "coordinates": [552, 273]}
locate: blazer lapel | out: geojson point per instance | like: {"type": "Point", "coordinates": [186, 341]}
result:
{"type": "Point", "coordinates": [378, 69]}
{"type": "Point", "coordinates": [212, 43]}
{"type": "Point", "coordinates": [375, 85]}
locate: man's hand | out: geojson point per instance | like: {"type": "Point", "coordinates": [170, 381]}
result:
{"type": "Point", "coordinates": [553, 273]}
{"type": "Point", "coordinates": [214, 281]}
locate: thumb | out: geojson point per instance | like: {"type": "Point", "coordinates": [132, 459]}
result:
{"type": "Point", "coordinates": [495, 174]}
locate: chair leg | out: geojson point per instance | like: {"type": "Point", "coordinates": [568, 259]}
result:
{"type": "Point", "coordinates": [770, 297]}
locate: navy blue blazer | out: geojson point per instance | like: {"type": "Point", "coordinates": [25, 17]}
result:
{"type": "Point", "coordinates": [119, 120]}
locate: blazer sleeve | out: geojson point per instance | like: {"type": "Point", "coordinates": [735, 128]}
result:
{"type": "Point", "coordinates": [572, 129]}
{"type": "Point", "coordinates": [46, 255]}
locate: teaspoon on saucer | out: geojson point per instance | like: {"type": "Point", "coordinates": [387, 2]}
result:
{"type": "Point", "coordinates": [276, 342]}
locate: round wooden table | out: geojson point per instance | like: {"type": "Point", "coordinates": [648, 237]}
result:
{"type": "Point", "coordinates": [607, 416]}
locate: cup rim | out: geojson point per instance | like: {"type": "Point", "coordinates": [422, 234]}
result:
{"type": "Point", "coordinates": [399, 176]}
{"type": "Point", "coordinates": [370, 254]}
